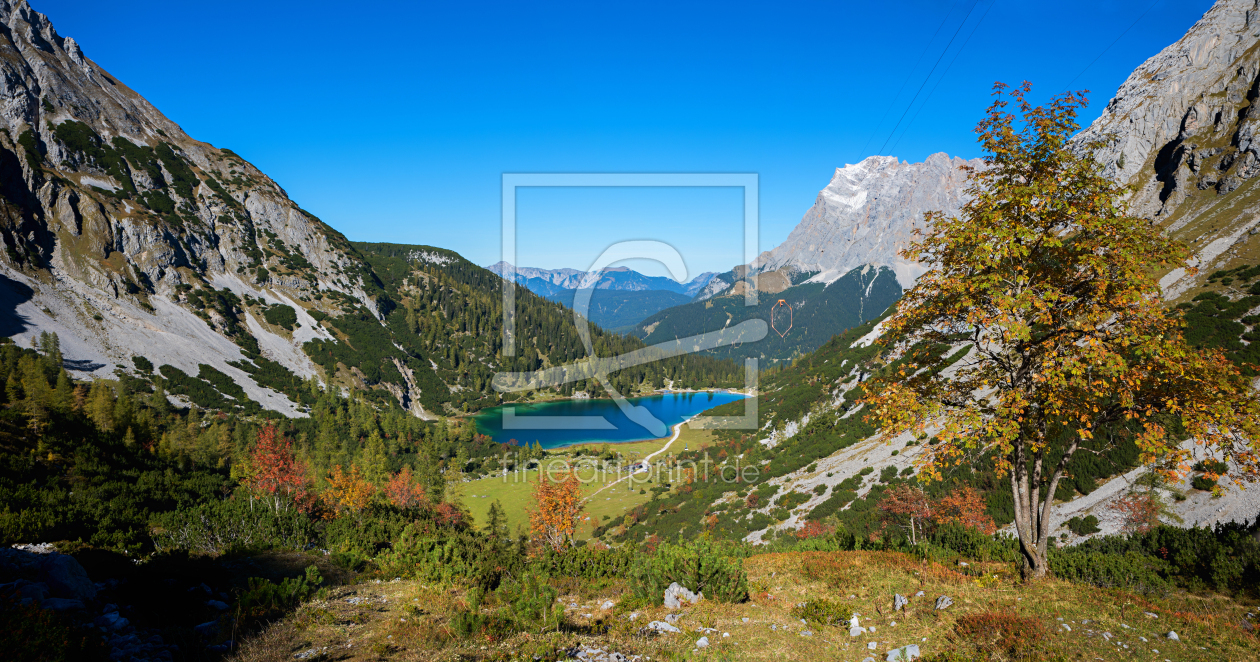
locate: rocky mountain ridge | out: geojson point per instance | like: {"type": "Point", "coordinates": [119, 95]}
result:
{"type": "Point", "coordinates": [549, 282]}
{"type": "Point", "coordinates": [1181, 131]}
{"type": "Point", "coordinates": [867, 214]}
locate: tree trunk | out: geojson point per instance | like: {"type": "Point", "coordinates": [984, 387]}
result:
{"type": "Point", "coordinates": [1028, 524]}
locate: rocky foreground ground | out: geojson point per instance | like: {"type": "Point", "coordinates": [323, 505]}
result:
{"type": "Point", "coordinates": [803, 606]}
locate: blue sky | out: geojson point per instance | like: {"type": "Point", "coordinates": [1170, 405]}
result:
{"type": "Point", "coordinates": [393, 121]}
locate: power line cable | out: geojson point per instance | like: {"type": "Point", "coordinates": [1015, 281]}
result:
{"type": "Point", "coordinates": [944, 73]}
{"type": "Point", "coordinates": [1104, 51]}
{"type": "Point", "coordinates": [909, 74]}
{"type": "Point", "coordinates": [929, 76]}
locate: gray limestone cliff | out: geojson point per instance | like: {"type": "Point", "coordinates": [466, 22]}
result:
{"type": "Point", "coordinates": [1182, 130]}
{"type": "Point", "coordinates": [867, 214]}
{"type": "Point", "coordinates": [111, 216]}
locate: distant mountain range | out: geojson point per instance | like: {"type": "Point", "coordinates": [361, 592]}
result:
{"type": "Point", "coordinates": [544, 282]}
{"type": "Point", "coordinates": [623, 297]}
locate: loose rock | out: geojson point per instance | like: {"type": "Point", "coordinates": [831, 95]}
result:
{"type": "Point", "coordinates": [943, 602]}
{"type": "Point", "coordinates": [662, 627]}
{"type": "Point", "coordinates": [903, 654]}
{"type": "Point", "coordinates": [676, 595]}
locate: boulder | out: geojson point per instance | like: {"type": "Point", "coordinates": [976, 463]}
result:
{"type": "Point", "coordinates": [111, 620]}
{"type": "Point", "coordinates": [66, 578]}
{"type": "Point", "coordinates": [702, 642]}
{"type": "Point", "coordinates": [677, 595]}
{"type": "Point", "coordinates": [662, 627]}
{"type": "Point", "coordinates": [899, 602]}
{"type": "Point", "coordinates": [36, 592]}
{"type": "Point", "coordinates": [1173, 635]}
{"type": "Point", "coordinates": [61, 604]}
{"type": "Point", "coordinates": [943, 602]}
{"type": "Point", "coordinates": [903, 654]}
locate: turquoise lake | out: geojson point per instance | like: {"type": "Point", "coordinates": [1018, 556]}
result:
{"type": "Point", "coordinates": [669, 408]}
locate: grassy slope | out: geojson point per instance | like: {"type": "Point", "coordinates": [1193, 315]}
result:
{"type": "Point", "coordinates": [513, 491]}
{"type": "Point", "coordinates": [406, 620]}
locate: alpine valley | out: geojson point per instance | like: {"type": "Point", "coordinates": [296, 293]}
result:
{"type": "Point", "coordinates": [227, 431]}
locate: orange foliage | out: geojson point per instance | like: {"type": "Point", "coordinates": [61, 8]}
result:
{"type": "Point", "coordinates": [1140, 511]}
{"type": "Point", "coordinates": [348, 492]}
{"type": "Point", "coordinates": [964, 506]}
{"type": "Point", "coordinates": [814, 529]}
{"type": "Point", "coordinates": [908, 508]}
{"type": "Point", "coordinates": [404, 491]}
{"type": "Point", "coordinates": [555, 520]}
{"type": "Point", "coordinates": [449, 514]}
{"type": "Point", "coordinates": [275, 475]}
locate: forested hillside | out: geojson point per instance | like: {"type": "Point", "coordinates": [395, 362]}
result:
{"type": "Point", "coordinates": [811, 314]}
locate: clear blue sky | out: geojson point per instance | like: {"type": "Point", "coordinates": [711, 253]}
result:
{"type": "Point", "coordinates": [393, 121]}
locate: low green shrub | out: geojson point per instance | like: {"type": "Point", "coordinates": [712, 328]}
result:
{"type": "Point", "coordinates": [1130, 570]}
{"type": "Point", "coordinates": [281, 315]}
{"type": "Point", "coordinates": [792, 500]}
{"type": "Point", "coordinates": [974, 544]}
{"type": "Point", "coordinates": [1212, 465]}
{"type": "Point", "coordinates": [1225, 558]}
{"type": "Point", "coordinates": [451, 555]}
{"type": "Point", "coordinates": [585, 562]}
{"type": "Point", "coordinates": [1083, 526]}
{"type": "Point", "coordinates": [217, 527]}
{"type": "Point", "coordinates": [823, 612]}
{"type": "Point", "coordinates": [530, 604]}
{"type": "Point", "coordinates": [1203, 483]}
{"type": "Point", "coordinates": [698, 565]}
{"type": "Point", "coordinates": [266, 600]}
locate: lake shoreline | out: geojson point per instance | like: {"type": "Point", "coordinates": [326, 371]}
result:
{"type": "Point", "coordinates": [576, 406]}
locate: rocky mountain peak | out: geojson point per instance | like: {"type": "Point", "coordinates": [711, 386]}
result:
{"type": "Point", "coordinates": [867, 214]}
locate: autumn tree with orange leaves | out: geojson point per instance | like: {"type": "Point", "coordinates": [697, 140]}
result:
{"type": "Point", "coordinates": [348, 492]}
{"type": "Point", "coordinates": [964, 507]}
{"type": "Point", "coordinates": [1050, 288]}
{"type": "Point", "coordinates": [554, 520]}
{"type": "Point", "coordinates": [907, 507]}
{"type": "Point", "coordinates": [403, 490]}
{"type": "Point", "coordinates": [275, 476]}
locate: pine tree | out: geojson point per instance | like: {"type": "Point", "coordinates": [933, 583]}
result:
{"type": "Point", "coordinates": [100, 405]}
{"type": "Point", "coordinates": [157, 401]}
{"type": "Point", "coordinates": [496, 521]}
{"type": "Point", "coordinates": [63, 395]}
{"type": "Point", "coordinates": [373, 460]}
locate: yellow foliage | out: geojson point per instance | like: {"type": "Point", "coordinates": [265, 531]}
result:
{"type": "Point", "coordinates": [348, 492]}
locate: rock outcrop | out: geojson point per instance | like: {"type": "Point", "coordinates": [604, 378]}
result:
{"type": "Point", "coordinates": [111, 215]}
{"type": "Point", "coordinates": [1182, 130]}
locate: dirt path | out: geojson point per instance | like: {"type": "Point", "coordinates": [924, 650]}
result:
{"type": "Point", "coordinates": [646, 460]}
